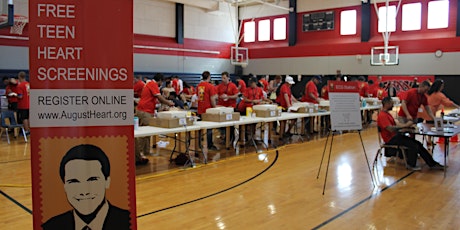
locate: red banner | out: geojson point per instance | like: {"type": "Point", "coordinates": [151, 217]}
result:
{"type": "Point", "coordinates": [343, 86]}
{"type": "Point", "coordinates": [401, 83]}
{"type": "Point", "coordinates": [81, 114]}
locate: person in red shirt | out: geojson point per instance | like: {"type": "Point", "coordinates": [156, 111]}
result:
{"type": "Point", "coordinates": [227, 91]}
{"type": "Point", "coordinates": [138, 86]}
{"type": "Point", "coordinates": [145, 111]}
{"type": "Point", "coordinates": [284, 98]}
{"type": "Point", "coordinates": [264, 83]}
{"type": "Point", "coordinates": [252, 96]}
{"type": "Point", "coordinates": [241, 85]}
{"type": "Point", "coordinates": [11, 93]}
{"type": "Point", "coordinates": [372, 88]}
{"type": "Point", "coordinates": [311, 90]}
{"type": "Point", "coordinates": [363, 87]}
{"type": "Point", "coordinates": [390, 135]}
{"type": "Point", "coordinates": [23, 101]}
{"type": "Point", "coordinates": [177, 84]}
{"type": "Point", "coordinates": [412, 101]}
{"type": "Point", "coordinates": [207, 96]}
{"type": "Point", "coordinates": [379, 92]}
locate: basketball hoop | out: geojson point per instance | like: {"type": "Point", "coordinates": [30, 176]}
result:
{"type": "Point", "coordinates": [19, 23]}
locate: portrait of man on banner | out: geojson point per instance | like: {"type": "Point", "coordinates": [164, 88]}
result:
{"type": "Point", "coordinates": [85, 174]}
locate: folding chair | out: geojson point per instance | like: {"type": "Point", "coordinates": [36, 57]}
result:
{"type": "Point", "coordinates": [383, 146]}
{"type": "Point", "coordinates": [8, 122]}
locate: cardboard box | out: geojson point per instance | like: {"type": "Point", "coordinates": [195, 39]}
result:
{"type": "Point", "coordinates": [170, 122]}
{"type": "Point", "coordinates": [307, 110]}
{"type": "Point", "coordinates": [172, 114]}
{"type": "Point", "coordinates": [267, 113]}
{"type": "Point", "coordinates": [220, 110]}
{"type": "Point", "coordinates": [220, 117]}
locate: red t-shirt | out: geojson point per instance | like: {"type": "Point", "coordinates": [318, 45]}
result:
{"type": "Point", "coordinates": [175, 85]}
{"type": "Point", "coordinates": [242, 86]}
{"type": "Point", "coordinates": [11, 89]}
{"type": "Point", "coordinates": [148, 97]}
{"type": "Point", "coordinates": [380, 93]}
{"type": "Point", "coordinates": [363, 89]}
{"type": "Point", "coordinates": [230, 89]}
{"type": "Point", "coordinates": [205, 91]}
{"type": "Point", "coordinates": [372, 89]}
{"type": "Point", "coordinates": [250, 94]}
{"type": "Point", "coordinates": [310, 87]}
{"type": "Point", "coordinates": [413, 101]}
{"type": "Point", "coordinates": [138, 86]}
{"type": "Point", "coordinates": [24, 90]}
{"type": "Point", "coordinates": [264, 83]}
{"type": "Point", "coordinates": [285, 89]}
{"type": "Point", "coordinates": [325, 92]}
{"type": "Point", "coordinates": [384, 120]}
{"type": "Point", "coordinates": [189, 91]}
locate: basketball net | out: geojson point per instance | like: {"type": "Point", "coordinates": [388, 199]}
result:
{"type": "Point", "coordinates": [19, 23]}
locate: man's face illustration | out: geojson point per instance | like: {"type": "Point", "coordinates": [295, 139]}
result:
{"type": "Point", "coordinates": [85, 185]}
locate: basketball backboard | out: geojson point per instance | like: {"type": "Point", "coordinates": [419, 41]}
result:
{"type": "Point", "coordinates": [383, 57]}
{"type": "Point", "coordinates": [6, 13]}
{"type": "Point", "coordinates": [239, 56]}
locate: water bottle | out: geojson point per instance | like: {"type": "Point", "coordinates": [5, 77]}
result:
{"type": "Point", "coordinates": [136, 123]}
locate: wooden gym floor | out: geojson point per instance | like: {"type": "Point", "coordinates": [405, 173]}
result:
{"type": "Point", "coordinates": [281, 192]}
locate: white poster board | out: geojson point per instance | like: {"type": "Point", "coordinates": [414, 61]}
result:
{"type": "Point", "coordinates": [345, 106]}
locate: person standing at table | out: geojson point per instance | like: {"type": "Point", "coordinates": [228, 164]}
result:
{"type": "Point", "coordinates": [411, 102]}
{"type": "Point", "coordinates": [23, 101]}
{"type": "Point", "coordinates": [207, 97]}
{"type": "Point", "coordinates": [311, 95]}
{"type": "Point", "coordinates": [391, 136]}
{"type": "Point", "coordinates": [284, 98]}
{"type": "Point", "coordinates": [437, 100]}
{"type": "Point", "coordinates": [145, 111]}
{"type": "Point", "coordinates": [227, 91]}
{"type": "Point", "coordinates": [252, 96]}
{"type": "Point", "coordinates": [264, 83]}
{"type": "Point", "coordinates": [273, 86]}
{"type": "Point", "coordinates": [311, 90]}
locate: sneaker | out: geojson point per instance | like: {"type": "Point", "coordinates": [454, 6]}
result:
{"type": "Point", "coordinates": [414, 168]}
{"type": "Point", "coordinates": [437, 166]}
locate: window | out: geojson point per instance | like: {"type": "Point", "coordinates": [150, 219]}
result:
{"type": "Point", "coordinates": [438, 14]}
{"type": "Point", "coordinates": [279, 29]}
{"type": "Point", "coordinates": [264, 30]}
{"type": "Point", "coordinates": [391, 26]}
{"type": "Point", "coordinates": [249, 31]}
{"type": "Point", "coordinates": [412, 16]}
{"type": "Point", "coordinates": [348, 22]}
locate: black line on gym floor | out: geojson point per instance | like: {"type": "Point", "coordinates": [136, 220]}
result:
{"type": "Point", "coordinates": [16, 202]}
{"type": "Point", "coordinates": [360, 202]}
{"type": "Point", "coordinates": [216, 193]}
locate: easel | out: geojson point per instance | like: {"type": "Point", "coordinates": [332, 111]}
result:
{"type": "Point", "coordinates": [331, 133]}
{"type": "Point", "coordinates": [345, 115]}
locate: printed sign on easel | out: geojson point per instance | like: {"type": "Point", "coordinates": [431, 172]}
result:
{"type": "Point", "coordinates": [345, 106]}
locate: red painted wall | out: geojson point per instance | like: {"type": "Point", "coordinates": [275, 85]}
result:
{"type": "Point", "coordinates": [331, 43]}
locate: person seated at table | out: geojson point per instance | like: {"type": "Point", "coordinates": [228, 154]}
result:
{"type": "Point", "coordinates": [284, 98]}
{"type": "Point", "coordinates": [390, 135]}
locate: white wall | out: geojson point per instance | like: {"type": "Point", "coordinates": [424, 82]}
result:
{"type": "Point", "coordinates": [409, 64]}
{"type": "Point", "coordinates": [14, 57]}
{"type": "Point", "coordinates": [218, 26]}
{"type": "Point", "coordinates": [154, 18]}
{"type": "Point", "coordinates": [258, 11]}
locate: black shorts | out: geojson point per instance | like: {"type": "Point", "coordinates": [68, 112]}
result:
{"type": "Point", "coordinates": [13, 106]}
{"type": "Point", "coordinates": [23, 114]}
